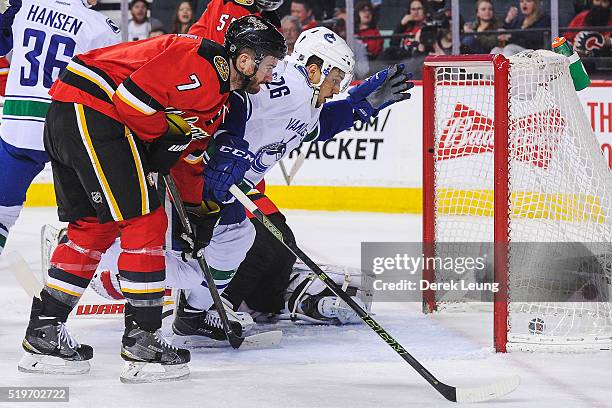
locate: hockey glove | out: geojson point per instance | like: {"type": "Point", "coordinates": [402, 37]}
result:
{"type": "Point", "coordinates": [379, 91]}
{"type": "Point", "coordinates": [226, 166]}
{"type": "Point", "coordinates": [165, 151]}
{"type": "Point", "coordinates": [8, 9]}
{"type": "Point", "coordinates": [203, 219]}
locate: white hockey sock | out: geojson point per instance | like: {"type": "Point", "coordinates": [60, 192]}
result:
{"type": "Point", "coordinates": [8, 217]}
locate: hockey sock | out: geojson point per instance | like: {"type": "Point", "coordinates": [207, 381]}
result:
{"type": "Point", "coordinates": [142, 267]}
{"type": "Point", "coordinates": [200, 297]}
{"type": "Point", "coordinates": [18, 167]}
{"type": "Point", "coordinates": [74, 262]}
{"type": "Point", "coordinates": [3, 236]}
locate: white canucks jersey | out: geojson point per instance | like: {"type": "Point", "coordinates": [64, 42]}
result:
{"type": "Point", "coordinates": [46, 35]}
{"type": "Point", "coordinates": [281, 117]}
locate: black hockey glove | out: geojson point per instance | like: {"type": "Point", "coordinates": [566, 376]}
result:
{"type": "Point", "coordinates": [165, 151]}
{"type": "Point", "coordinates": [203, 219]}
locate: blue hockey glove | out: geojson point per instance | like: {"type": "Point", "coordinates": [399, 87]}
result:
{"type": "Point", "coordinates": [7, 16]}
{"type": "Point", "coordinates": [226, 166]}
{"type": "Point", "coordinates": [380, 90]}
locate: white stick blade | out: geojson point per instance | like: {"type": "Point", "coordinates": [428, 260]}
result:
{"type": "Point", "coordinates": [488, 392]}
{"type": "Point", "coordinates": [262, 340]}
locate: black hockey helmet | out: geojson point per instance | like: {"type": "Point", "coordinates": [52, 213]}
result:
{"type": "Point", "coordinates": [269, 5]}
{"type": "Point", "coordinates": [256, 34]}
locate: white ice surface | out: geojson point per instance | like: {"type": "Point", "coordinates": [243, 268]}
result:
{"type": "Point", "coordinates": [314, 366]}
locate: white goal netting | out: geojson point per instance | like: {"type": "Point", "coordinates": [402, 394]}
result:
{"type": "Point", "coordinates": [559, 221]}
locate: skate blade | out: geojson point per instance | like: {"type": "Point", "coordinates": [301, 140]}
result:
{"type": "Point", "coordinates": [138, 373]}
{"type": "Point", "coordinates": [41, 364]}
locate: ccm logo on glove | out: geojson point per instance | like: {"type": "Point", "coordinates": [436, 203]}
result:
{"type": "Point", "coordinates": [237, 152]}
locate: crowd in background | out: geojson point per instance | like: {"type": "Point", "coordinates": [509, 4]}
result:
{"type": "Point", "coordinates": [423, 29]}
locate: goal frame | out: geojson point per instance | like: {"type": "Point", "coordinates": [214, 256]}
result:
{"type": "Point", "coordinates": [501, 217]}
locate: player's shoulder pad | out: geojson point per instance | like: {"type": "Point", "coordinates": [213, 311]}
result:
{"type": "Point", "coordinates": [217, 57]}
{"type": "Point", "coordinates": [249, 5]}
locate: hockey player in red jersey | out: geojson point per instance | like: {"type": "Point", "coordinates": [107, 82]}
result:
{"type": "Point", "coordinates": [219, 14]}
{"type": "Point", "coordinates": [106, 132]}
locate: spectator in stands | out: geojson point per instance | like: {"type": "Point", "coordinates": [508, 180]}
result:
{"type": "Point", "coordinates": [431, 41]}
{"type": "Point", "coordinates": [410, 24]}
{"type": "Point", "coordinates": [362, 65]}
{"type": "Point", "coordinates": [157, 29]}
{"type": "Point", "coordinates": [365, 23]}
{"type": "Point", "coordinates": [291, 28]}
{"type": "Point", "coordinates": [531, 16]}
{"type": "Point", "coordinates": [485, 21]}
{"type": "Point", "coordinates": [183, 18]}
{"type": "Point", "coordinates": [140, 23]}
{"type": "Point", "coordinates": [302, 9]}
{"type": "Point", "coordinates": [597, 16]}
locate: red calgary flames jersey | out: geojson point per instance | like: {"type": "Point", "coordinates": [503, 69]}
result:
{"type": "Point", "coordinates": [135, 82]}
{"type": "Point", "coordinates": [219, 14]}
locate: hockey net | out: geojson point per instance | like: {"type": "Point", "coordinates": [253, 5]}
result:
{"type": "Point", "coordinates": [510, 159]}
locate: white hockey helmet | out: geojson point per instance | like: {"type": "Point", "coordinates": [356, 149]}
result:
{"type": "Point", "coordinates": [269, 5]}
{"type": "Point", "coordinates": [331, 48]}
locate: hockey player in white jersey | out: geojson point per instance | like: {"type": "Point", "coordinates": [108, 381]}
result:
{"type": "Point", "coordinates": [291, 110]}
{"type": "Point", "coordinates": [274, 121]}
{"type": "Point", "coordinates": [46, 34]}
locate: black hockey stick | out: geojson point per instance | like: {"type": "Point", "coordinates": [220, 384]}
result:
{"type": "Point", "coordinates": [455, 394]}
{"type": "Point", "coordinates": [265, 339]}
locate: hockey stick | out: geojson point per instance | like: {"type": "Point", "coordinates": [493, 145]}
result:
{"type": "Point", "coordinates": [24, 274]}
{"type": "Point", "coordinates": [455, 394]}
{"type": "Point", "coordinates": [284, 171]}
{"type": "Point", "coordinates": [265, 339]}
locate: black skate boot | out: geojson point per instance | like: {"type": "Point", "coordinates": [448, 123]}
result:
{"type": "Point", "coordinates": [149, 357]}
{"type": "Point", "coordinates": [193, 322]}
{"type": "Point", "coordinates": [50, 348]}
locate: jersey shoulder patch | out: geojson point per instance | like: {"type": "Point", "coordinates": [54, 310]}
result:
{"type": "Point", "coordinates": [217, 57]}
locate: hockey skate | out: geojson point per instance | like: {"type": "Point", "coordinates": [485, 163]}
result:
{"type": "Point", "coordinates": [149, 358]}
{"type": "Point", "coordinates": [50, 348]}
{"type": "Point", "coordinates": [193, 322]}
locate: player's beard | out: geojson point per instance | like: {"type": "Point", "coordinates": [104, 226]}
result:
{"type": "Point", "coordinates": [254, 86]}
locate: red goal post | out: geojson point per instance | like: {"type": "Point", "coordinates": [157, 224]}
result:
{"type": "Point", "coordinates": [500, 66]}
